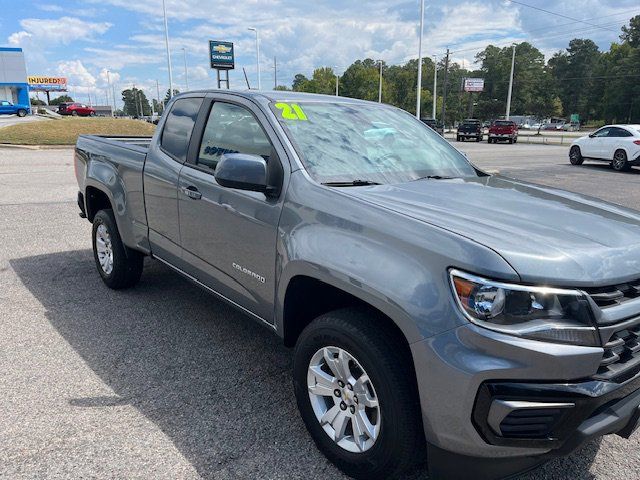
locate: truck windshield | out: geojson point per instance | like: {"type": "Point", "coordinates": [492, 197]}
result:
{"type": "Point", "coordinates": [359, 144]}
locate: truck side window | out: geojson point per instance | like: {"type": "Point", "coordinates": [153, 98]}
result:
{"type": "Point", "coordinates": [178, 127]}
{"type": "Point", "coordinates": [231, 129]}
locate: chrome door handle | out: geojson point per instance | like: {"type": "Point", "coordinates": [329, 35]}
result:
{"type": "Point", "coordinates": [192, 192]}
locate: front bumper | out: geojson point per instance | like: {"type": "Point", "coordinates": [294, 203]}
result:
{"type": "Point", "coordinates": [462, 372]}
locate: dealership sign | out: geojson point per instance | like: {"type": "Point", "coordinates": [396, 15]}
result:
{"type": "Point", "coordinates": [473, 84]}
{"type": "Point", "coordinates": [47, 84]}
{"type": "Point", "coordinates": [221, 55]}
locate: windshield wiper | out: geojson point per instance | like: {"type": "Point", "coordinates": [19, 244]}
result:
{"type": "Point", "coordinates": [433, 177]}
{"type": "Point", "coordinates": [351, 183]}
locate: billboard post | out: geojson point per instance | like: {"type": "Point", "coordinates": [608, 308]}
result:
{"type": "Point", "coordinates": [221, 57]}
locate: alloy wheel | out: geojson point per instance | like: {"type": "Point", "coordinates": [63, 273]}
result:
{"type": "Point", "coordinates": [343, 399]}
{"type": "Point", "coordinates": [104, 249]}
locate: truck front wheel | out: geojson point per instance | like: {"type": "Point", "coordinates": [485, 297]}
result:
{"type": "Point", "coordinates": [354, 387]}
{"type": "Point", "coordinates": [119, 266]}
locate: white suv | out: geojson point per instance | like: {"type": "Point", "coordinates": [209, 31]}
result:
{"type": "Point", "coordinates": [618, 144]}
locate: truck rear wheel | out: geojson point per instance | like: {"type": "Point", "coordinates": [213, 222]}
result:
{"type": "Point", "coordinates": [22, 112]}
{"type": "Point", "coordinates": [119, 266]}
{"type": "Point", "coordinates": [354, 387]}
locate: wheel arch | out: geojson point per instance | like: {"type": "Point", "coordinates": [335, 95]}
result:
{"type": "Point", "coordinates": [95, 200]}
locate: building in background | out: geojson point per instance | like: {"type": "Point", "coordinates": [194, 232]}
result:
{"type": "Point", "coordinates": [13, 76]}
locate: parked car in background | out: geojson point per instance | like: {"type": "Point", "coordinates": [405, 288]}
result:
{"type": "Point", "coordinates": [618, 144]}
{"type": "Point", "coordinates": [556, 127]}
{"type": "Point", "coordinates": [470, 128]}
{"type": "Point", "coordinates": [9, 108]}
{"type": "Point", "coordinates": [503, 130]}
{"type": "Point", "coordinates": [76, 109]}
{"type": "Point", "coordinates": [433, 123]}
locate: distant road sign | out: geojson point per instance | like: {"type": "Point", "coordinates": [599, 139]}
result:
{"type": "Point", "coordinates": [47, 84]}
{"type": "Point", "coordinates": [473, 84]}
{"type": "Point", "coordinates": [221, 55]}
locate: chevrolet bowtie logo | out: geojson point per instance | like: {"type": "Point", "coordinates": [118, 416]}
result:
{"type": "Point", "coordinates": [221, 49]}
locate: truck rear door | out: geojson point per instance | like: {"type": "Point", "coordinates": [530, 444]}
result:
{"type": "Point", "coordinates": [229, 236]}
{"type": "Point", "coordinates": [161, 173]}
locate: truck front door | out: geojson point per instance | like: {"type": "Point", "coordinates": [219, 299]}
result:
{"type": "Point", "coordinates": [161, 172]}
{"type": "Point", "coordinates": [229, 236]}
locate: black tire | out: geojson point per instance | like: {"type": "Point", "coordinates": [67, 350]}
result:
{"type": "Point", "coordinates": [515, 140]}
{"type": "Point", "coordinates": [510, 141]}
{"type": "Point", "coordinates": [478, 139]}
{"type": "Point", "coordinates": [92, 114]}
{"type": "Point", "coordinates": [127, 263]}
{"type": "Point", "coordinates": [457, 138]}
{"type": "Point", "coordinates": [575, 156]}
{"type": "Point", "coordinates": [620, 162]}
{"type": "Point", "coordinates": [22, 112]}
{"type": "Point", "coordinates": [489, 140]}
{"type": "Point", "coordinates": [368, 337]}
{"type": "Point", "coordinates": [74, 113]}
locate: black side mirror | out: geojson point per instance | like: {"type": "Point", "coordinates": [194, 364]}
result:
{"type": "Point", "coordinates": [242, 171]}
{"type": "Point", "coordinates": [591, 135]}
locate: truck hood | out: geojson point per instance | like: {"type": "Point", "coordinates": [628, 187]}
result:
{"type": "Point", "coordinates": [547, 235]}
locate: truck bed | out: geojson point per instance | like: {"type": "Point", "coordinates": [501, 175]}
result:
{"type": "Point", "coordinates": [136, 143]}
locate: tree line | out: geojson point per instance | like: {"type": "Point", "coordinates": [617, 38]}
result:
{"type": "Point", "coordinates": [599, 86]}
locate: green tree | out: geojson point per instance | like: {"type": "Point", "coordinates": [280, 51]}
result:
{"type": "Point", "coordinates": [167, 97]}
{"type": "Point", "coordinates": [136, 103]}
{"type": "Point", "coordinates": [36, 101]}
{"type": "Point", "coordinates": [61, 99]}
{"type": "Point", "coordinates": [572, 72]}
{"type": "Point", "coordinates": [631, 34]}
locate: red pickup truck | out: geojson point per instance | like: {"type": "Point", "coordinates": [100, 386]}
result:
{"type": "Point", "coordinates": [503, 130]}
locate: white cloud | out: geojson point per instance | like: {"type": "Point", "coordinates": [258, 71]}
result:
{"type": "Point", "coordinates": [76, 73]}
{"type": "Point", "coordinates": [64, 30]}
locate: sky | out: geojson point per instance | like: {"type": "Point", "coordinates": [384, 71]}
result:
{"type": "Point", "coordinates": [83, 40]}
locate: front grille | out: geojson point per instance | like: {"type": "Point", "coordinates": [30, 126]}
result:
{"type": "Point", "coordinates": [537, 423]}
{"type": "Point", "coordinates": [616, 294]}
{"type": "Point", "coordinates": [621, 359]}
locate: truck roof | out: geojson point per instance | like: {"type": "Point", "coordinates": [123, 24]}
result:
{"type": "Point", "coordinates": [275, 95]}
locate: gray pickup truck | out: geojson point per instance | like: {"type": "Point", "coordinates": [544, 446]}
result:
{"type": "Point", "coordinates": [439, 314]}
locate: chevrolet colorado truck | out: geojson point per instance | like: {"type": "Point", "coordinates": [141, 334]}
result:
{"type": "Point", "coordinates": [438, 314]}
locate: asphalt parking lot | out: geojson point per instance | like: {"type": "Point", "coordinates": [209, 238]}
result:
{"type": "Point", "coordinates": [164, 381]}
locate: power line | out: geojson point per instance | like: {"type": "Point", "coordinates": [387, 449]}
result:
{"type": "Point", "coordinates": [560, 15]}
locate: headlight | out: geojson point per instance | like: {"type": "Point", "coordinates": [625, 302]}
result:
{"type": "Point", "coordinates": [539, 313]}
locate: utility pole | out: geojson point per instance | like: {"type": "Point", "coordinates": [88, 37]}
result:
{"type": "Point", "coordinates": [380, 84]}
{"type": "Point", "coordinates": [513, 64]}
{"type": "Point", "coordinates": [435, 85]}
{"type": "Point", "coordinates": [135, 100]}
{"type": "Point", "coordinates": [166, 41]}
{"type": "Point", "coordinates": [158, 93]}
{"type": "Point", "coordinates": [186, 74]}
{"type": "Point", "coordinates": [275, 73]}
{"type": "Point", "coordinates": [114, 98]}
{"type": "Point", "coordinates": [444, 89]}
{"type": "Point", "coordinates": [253, 29]}
{"type": "Point", "coordinates": [419, 87]}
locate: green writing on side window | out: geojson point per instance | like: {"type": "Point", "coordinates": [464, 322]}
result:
{"type": "Point", "coordinates": [291, 111]}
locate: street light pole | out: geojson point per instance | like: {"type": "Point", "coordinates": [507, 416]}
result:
{"type": "Point", "coordinates": [435, 85]}
{"type": "Point", "coordinates": [114, 97]}
{"type": "Point", "coordinates": [253, 29]}
{"type": "Point", "coordinates": [335, 71]}
{"type": "Point", "coordinates": [513, 64]}
{"type": "Point", "coordinates": [186, 74]}
{"type": "Point", "coordinates": [419, 86]}
{"type": "Point", "coordinates": [166, 41]}
{"type": "Point", "coordinates": [380, 84]}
